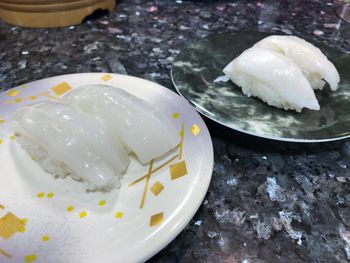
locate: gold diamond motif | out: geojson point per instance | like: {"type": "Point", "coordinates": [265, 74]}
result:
{"type": "Point", "coordinates": [156, 219]}
{"type": "Point", "coordinates": [195, 130]}
{"type": "Point", "coordinates": [157, 188]}
{"type": "Point", "coordinates": [178, 170]}
{"type": "Point", "coordinates": [13, 93]}
{"type": "Point", "coordinates": [10, 225]}
{"type": "Point", "coordinates": [61, 88]}
{"type": "Point", "coordinates": [30, 258]}
{"type": "Point", "coordinates": [106, 77]}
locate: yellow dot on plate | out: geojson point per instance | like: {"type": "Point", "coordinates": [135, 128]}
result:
{"type": "Point", "coordinates": [30, 258]}
{"type": "Point", "coordinates": [24, 220]}
{"type": "Point", "coordinates": [45, 238]}
{"type": "Point", "coordinates": [106, 77]}
{"type": "Point", "coordinates": [13, 93]}
{"type": "Point", "coordinates": [22, 229]}
{"type": "Point", "coordinates": [12, 137]}
{"type": "Point", "coordinates": [156, 219]}
{"type": "Point", "coordinates": [18, 100]}
{"type": "Point", "coordinates": [40, 195]}
{"type": "Point", "coordinates": [70, 208]}
{"type": "Point", "coordinates": [195, 130]}
{"type": "Point", "coordinates": [33, 97]}
{"type": "Point", "coordinates": [82, 214]}
{"type": "Point", "coordinates": [119, 214]}
{"type": "Point", "coordinates": [102, 203]}
{"type": "Point", "coordinates": [175, 115]}
{"type": "Point", "coordinates": [2, 121]}
{"type": "Point", "coordinates": [33, 158]}
{"type": "Point", "coordinates": [157, 188]}
{"type": "Point", "coordinates": [50, 195]}
{"type": "Point", "coordinates": [0, 141]}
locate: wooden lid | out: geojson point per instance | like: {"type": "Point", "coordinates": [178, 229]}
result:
{"type": "Point", "coordinates": [49, 13]}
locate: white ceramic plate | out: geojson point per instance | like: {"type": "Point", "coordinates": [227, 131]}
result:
{"type": "Point", "coordinates": [44, 219]}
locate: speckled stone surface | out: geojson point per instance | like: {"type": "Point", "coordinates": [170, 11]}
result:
{"type": "Point", "coordinates": [268, 201]}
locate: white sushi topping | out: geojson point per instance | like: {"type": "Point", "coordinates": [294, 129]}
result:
{"type": "Point", "coordinates": [283, 71]}
{"type": "Point", "coordinates": [67, 141]}
{"type": "Point", "coordinates": [141, 127]}
{"type": "Point", "coordinates": [312, 62]}
{"type": "Point", "coordinates": [273, 78]}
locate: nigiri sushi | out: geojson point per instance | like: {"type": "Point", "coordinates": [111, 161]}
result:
{"type": "Point", "coordinates": [66, 141]}
{"type": "Point", "coordinates": [312, 62]}
{"type": "Point", "coordinates": [142, 128]}
{"type": "Point", "coordinates": [272, 77]}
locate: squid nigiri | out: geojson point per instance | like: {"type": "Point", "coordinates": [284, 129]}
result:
{"type": "Point", "coordinates": [142, 128]}
{"type": "Point", "coordinates": [312, 62]}
{"type": "Point", "coordinates": [66, 141]}
{"type": "Point", "coordinates": [272, 77]}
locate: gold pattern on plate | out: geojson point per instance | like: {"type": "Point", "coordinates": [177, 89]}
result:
{"type": "Point", "coordinates": [148, 177]}
{"type": "Point", "coordinates": [17, 100]}
{"type": "Point", "coordinates": [182, 136]}
{"type": "Point", "coordinates": [40, 195]}
{"type": "Point", "coordinates": [10, 225]}
{"type": "Point", "coordinates": [106, 77]}
{"type": "Point", "coordinates": [195, 130]}
{"type": "Point", "coordinates": [13, 93]}
{"type": "Point", "coordinates": [175, 115]}
{"type": "Point", "coordinates": [119, 215]}
{"type": "Point", "coordinates": [45, 238]}
{"type": "Point", "coordinates": [70, 208]}
{"type": "Point", "coordinates": [156, 219]}
{"type": "Point", "coordinates": [102, 203]}
{"type": "Point", "coordinates": [2, 121]}
{"type": "Point", "coordinates": [152, 171]}
{"type": "Point", "coordinates": [82, 214]}
{"type": "Point", "coordinates": [61, 88]}
{"type": "Point", "coordinates": [5, 254]}
{"type": "Point", "coordinates": [30, 258]}
{"type": "Point", "coordinates": [2, 207]}
{"type": "Point", "coordinates": [50, 195]}
{"type": "Point", "coordinates": [156, 188]}
{"type": "Point", "coordinates": [0, 141]}
{"type": "Point", "coordinates": [178, 170]}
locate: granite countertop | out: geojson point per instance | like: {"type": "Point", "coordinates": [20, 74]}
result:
{"type": "Point", "coordinates": [268, 201]}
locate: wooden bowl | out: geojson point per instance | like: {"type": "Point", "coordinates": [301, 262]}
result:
{"type": "Point", "coordinates": [50, 13]}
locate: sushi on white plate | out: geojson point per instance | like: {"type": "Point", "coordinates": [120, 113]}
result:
{"type": "Point", "coordinates": [312, 62]}
{"type": "Point", "coordinates": [66, 141]}
{"type": "Point", "coordinates": [143, 129]}
{"type": "Point", "coordinates": [272, 77]}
